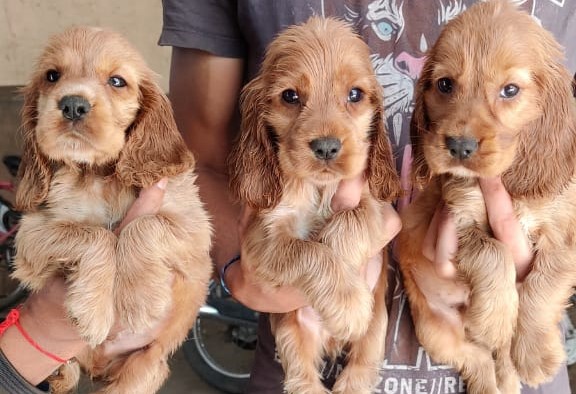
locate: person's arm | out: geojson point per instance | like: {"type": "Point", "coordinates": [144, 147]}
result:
{"type": "Point", "coordinates": [204, 91]}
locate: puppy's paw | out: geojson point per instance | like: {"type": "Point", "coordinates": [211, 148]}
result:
{"type": "Point", "coordinates": [491, 317]}
{"type": "Point", "coordinates": [537, 357]}
{"type": "Point", "coordinates": [509, 384]}
{"type": "Point", "coordinates": [141, 307]}
{"type": "Point", "coordinates": [93, 319]}
{"type": "Point", "coordinates": [356, 379]}
{"type": "Point", "coordinates": [29, 278]}
{"type": "Point", "coordinates": [347, 315]}
{"type": "Point", "coordinates": [295, 386]}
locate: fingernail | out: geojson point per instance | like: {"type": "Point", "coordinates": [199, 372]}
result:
{"type": "Point", "coordinates": [162, 183]}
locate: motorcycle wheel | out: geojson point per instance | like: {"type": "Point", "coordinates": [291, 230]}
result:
{"type": "Point", "coordinates": [221, 353]}
{"type": "Point", "coordinates": [11, 292]}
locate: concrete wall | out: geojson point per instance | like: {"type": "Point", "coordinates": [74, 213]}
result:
{"type": "Point", "coordinates": [25, 26]}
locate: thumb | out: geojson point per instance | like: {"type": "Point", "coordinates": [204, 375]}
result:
{"type": "Point", "coordinates": [148, 202]}
{"type": "Point", "coordinates": [441, 242]}
{"type": "Point", "coordinates": [348, 194]}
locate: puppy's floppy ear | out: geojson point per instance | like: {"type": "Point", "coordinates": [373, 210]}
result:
{"type": "Point", "coordinates": [545, 159]}
{"type": "Point", "coordinates": [381, 172]}
{"type": "Point", "coordinates": [35, 170]}
{"type": "Point", "coordinates": [154, 148]}
{"type": "Point", "coordinates": [419, 125]}
{"type": "Point", "coordinates": [255, 176]}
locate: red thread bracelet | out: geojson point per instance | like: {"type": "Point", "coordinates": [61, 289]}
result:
{"type": "Point", "coordinates": [13, 318]}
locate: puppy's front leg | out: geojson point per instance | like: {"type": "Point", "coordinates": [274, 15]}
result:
{"type": "Point", "coordinates": [366, 354]}
{"type": "Point", "coordinates": [354, 236]}
{"type": "Point", "coordinates": [357, 234]}
{"type": "Point", "coordinates": [86, 255]}
{"type": "Point", "coordinates": [487, 265]}
{"type": "Point", "coordinates": [150, 250]}
{"type": "Point", "coordinates": [537, 349]}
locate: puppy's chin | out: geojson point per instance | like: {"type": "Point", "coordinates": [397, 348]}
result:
{"type": "Point", "coordinates": [324, 178]}
{"type": "Point", "coordinates": [467, 171]}
{"type": "Point", "coordinates": [324, 174]}
{"type": "Point", "coordinates": [72, 145]}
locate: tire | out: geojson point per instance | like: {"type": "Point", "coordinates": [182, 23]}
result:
{"type": "Point", "coordinates": [220, 348]}
{"type": "Point", "coordinates": [12, 293]}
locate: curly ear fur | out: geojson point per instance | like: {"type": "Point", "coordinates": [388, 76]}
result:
{"type": "Point", "coordinates": [381, 173]}
{"type": "Point", "coordinates": [419, 124]}
{"type": "Point", "coordinates": [35, 170]}
{"type": "Point", "coordinates": [546, 155]}
{"type": "Point", "coordinates": [255, 177]}
{"type": "Point", "coordinates": [154, 148]}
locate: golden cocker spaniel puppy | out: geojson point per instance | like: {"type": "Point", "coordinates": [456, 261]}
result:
{"type": "Point", "coordinates": [311, 118]}
{"type": "Point", "coordinates": [494, 99]}
{"type": "Point", "coordinates": [97, 129]}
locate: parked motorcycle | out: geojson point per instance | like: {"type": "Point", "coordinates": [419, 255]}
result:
{"type": "Point", "coordinates": [220, 346]}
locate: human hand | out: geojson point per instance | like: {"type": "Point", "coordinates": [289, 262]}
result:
{"type": "Point", "coordinates": [441, 243]}
{"type": "Point", "coordinates": [249, 291]}
{"type": "Point", "coordinates": [505, 224]}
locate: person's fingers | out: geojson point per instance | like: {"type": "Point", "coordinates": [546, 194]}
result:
{"type": "Point", "coordinates": [148, 203]}
{"type": "Point", "coordinates": [373, 269]}
{"type": "Point", "coordinates": [505, 224]}
{"type": "Point", "coordinates": [124, 341]}
{"type": "Point", "coordinates": [391, 222]}
{"type": "Point", "coordinates": [246, 216]}
{"type": "Point", "coordinates": [446, 245]}
{"type": "Point", "coordinates": [429, 243]}
{"type": "Point", "coordinates": [441, 243]}
{"type": "Point", "coordinates": [348, 194]}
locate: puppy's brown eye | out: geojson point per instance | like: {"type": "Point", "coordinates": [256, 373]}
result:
{"type": "Point", "coordinates": [509, 91]}
{"type": "Point", "coordinates": [290, 96]}
{"type": "Point", "coordinates": [355, 95]}
{"type": "Point", "coordinates": [445, 85]}
{"type": "Point", "coordinates": [117, 82]}
{"type": "Point", "coordinates": [52, 75]}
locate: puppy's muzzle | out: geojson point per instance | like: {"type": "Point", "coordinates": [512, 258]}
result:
{"type": "Point", "coordinates": [326, 148]}
{"type": "Point", "coordinates": [461, 148]}
{"type": "Point", "coordinates": [74, 107]}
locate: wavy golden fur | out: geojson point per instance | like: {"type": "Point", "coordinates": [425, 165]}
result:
{"type": "Point", "coordinates": [96, 130]}
{"type": "Point", "coordinates": [494, 99]}
{"type": "Point", "coordinates": [290, 157]}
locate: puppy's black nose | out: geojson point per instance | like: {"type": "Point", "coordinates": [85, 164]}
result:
{"type": "Point", "coordinates": [326, 148]}
{"type": "Point", "coordinates": [461, 147]}
{"type": "Point", "coordinates": [74, 107]}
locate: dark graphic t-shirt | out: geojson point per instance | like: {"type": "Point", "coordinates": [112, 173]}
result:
{"type": "Point", "coordinates": [399, 32]}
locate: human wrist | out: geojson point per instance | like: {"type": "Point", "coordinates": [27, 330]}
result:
{"type": "Point", "coordinates": [228, 266]}
{"type": "Point", "coordinates": [37, 348]}
{"type": "Point", "coordinates": [54, 332]}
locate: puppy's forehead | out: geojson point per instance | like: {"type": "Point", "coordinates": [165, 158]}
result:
{"type": "Point", "coordinates": [491, 37]}
{"type": "Point", "coordinates": [89, 51]}
{"type": "Point", "coordinates": [318, 48]}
